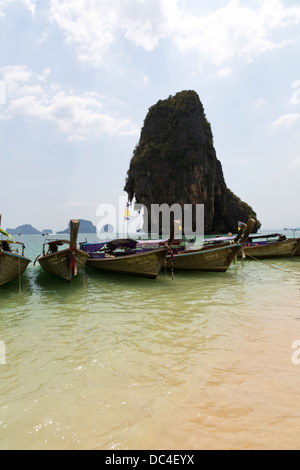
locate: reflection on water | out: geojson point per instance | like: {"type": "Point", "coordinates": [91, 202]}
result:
{"type": "Point", "coordinates": [116, 362]}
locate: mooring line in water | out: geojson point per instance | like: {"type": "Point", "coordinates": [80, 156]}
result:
{"type": "Point", "coordinates": [20, 288]}
{"type": "Point", "coordinates": [274, 267]}
{"type": "Point", "coordinates": [84, 277]}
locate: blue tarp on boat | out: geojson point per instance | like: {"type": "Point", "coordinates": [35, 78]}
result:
{"type": "Point", "coordinates": [92, 247]}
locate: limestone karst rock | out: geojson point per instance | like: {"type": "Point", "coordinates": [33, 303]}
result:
{"type": "Point", "coordinates": [175, 162]}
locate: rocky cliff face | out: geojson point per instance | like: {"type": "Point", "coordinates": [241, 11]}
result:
{"type": "Point", "coordinates": [175, 162]}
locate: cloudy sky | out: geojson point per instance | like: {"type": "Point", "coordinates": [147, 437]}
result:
{"type": "Point", "coordinates": [77, 78]}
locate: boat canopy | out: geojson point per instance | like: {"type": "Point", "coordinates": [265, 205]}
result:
{"type": "Point", "coordinates": [111, 244]}
{"type": "Point", "coordinates": [150, 243]}
{"type": "Point", "coordinates": [268, 235]}
{"type": "Point", "coordinates": [218, 239]}
{"type": "Point", "coordinates": [122, 243]}
{"type": "Point", "coordinates": [53, 243]}
{"type": "Point", "coordinates": [8, 245]}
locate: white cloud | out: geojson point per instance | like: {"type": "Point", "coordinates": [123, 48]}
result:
{"type": "Point", "coordinates": [234, 31]}
{"type": "Point", "coordinates": [29, 4]}
{"type": "Point", "coordinates": [93, 25]}
{"type": "Point", "coordinates": [295, 98]}
{"type": "Point", "coordinates": [79, 117]}
{"type": "Point", "coordinates": [293, 164]}
{"type": "Point", "coordinates": [142, 82]}
{"type": "Point", "coordinates": [286, 121]}
{"type": "Point", "coordinates": [225, 72]}
{"type": "Point", "coordinates": [259, 103]}
{"type": "Point", "coordinates": [15, 76]}
{"type": "Point", "coordinates": [43, 77]}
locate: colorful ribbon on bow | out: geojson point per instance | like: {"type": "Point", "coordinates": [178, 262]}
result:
{"type": "Point", "coordinates": [73, 263]}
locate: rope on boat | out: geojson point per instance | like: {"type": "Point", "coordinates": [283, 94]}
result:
{"type": "Point", "coordinates": [172, 263]}
{"type": "Point", "coordinates": [172, 260]}
{"type": "Point", "coordinates": [271, 266]}
{"type": "Point", "coordinates": [20, 288]}
{"type": "Point", "coordinates": [84, 277]}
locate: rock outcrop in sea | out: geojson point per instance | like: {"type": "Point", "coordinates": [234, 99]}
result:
{"type": "Point", "coordinates": [86, 226]}
{"type": "Point", "coordinates": [24, 230]}
{"type": "Point", "coordinates": [175, 162]}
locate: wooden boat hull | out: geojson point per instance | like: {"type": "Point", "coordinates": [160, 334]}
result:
{"type": "Point", "coordinates": [280, 249]}
{"type": "Point", "coordinates": [60, 263]}
{"type": "Point", "coordinates": [145, 264]}
{"type": "Point", "coordinates": [11, 266]}
{"type": "Point", "coordinates": [211, 260]}
{"type": "Point", "coordinates": [297, 249]}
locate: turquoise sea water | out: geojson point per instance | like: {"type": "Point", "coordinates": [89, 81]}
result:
{"type": "Point", "coordinates": [114, 362]}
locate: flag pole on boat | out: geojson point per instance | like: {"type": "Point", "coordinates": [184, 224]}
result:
{"type": "Point", "coordinates": [126, 217]}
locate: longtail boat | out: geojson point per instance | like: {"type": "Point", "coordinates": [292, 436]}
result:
{"type": "Point", "coordinates": [65, 263]}
{"type": "Point", "coordinates": [12, 264]}
{"type": "Point", "coordinates": [215, 258]}
{"type": "Point", "coordinates": [272, 245]}
{"type": "Point", "coordinates": [294, 230]}
{"type": "Point", "coordinates": [297, 250]}
{"type": "Point", "coordinates": [126, 256]}
{"type": "Point", "coordinates": [211, 259]}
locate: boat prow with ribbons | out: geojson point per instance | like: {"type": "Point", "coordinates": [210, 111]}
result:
{"type": "Point", "coordinates": [64, 263]}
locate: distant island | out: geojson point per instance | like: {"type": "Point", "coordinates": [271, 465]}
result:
{"type": "Point", "coordinates": [85, 226]}
{"type": "Point", "coordinates": [24, 230]}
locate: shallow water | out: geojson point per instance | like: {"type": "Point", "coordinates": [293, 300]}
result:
{"type": "Point", "coordinates": [114, 362]}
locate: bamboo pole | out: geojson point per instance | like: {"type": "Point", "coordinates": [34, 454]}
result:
{"type": "Point", "coordinates": [74, 228]}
